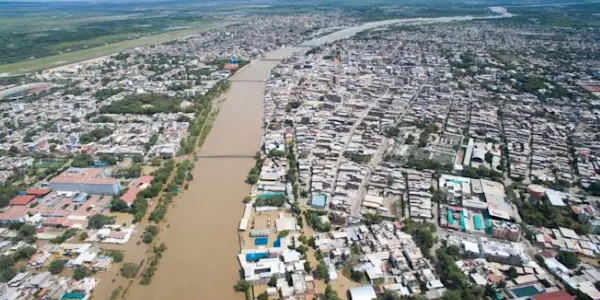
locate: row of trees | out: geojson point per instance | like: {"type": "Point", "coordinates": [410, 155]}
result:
{"type": "Point", "coordinates": [157, 252]}
{"type": "Point", "coordinates": [140, 204]}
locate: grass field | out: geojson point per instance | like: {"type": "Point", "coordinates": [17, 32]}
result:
{"type": "Point", "coordinates": [51, 163]}
{"type": "Point", "coordinates": [77, 56]}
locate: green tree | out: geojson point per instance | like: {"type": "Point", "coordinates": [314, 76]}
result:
{"type": "Point", "coordinates": [117, 255]}
{"type": "Point", "coordinates": [117, 204]}
{"type": "Point", "coordinates": [512, 273]}
{"type": "Point", "coordinates": [242, 285]}
{"type": "Point", "coordinates": [24, 253]}
{"type": "Point", "coordinates": [272, 281]}
{"type": "Point", "coordinates": [129, 270]}
{"type": "Point", "coordinates": [357, 276]}
{"type": "Point", "coordinates": [331, 294]}
{"type": "Point", "coordinates": [57, 266]}
{"type": "Point", "coordinates": [452, 295]}
{"type": "Point", "coordinates": [568, 258]}
{"type": "Point", "coordinates": [453, 251]}
{"type": "Point", "coordinates": [98, 221]}
{"type": "Point", "coordinates": [263, 296]}
{"type": "Point", "coordinates": [321, 271]}
{"type": "Point", "coordinates": [307, 267]}
{"type": "Point", "coordinates": [488, 157]}
{"type": "Point", "coordinates": [81, 272]}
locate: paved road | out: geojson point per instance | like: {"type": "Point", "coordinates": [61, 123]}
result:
{"type": "Point", "coordinates": [378, 157]}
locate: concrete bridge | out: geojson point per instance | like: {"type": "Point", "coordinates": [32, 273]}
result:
{"type": "Point", "coordinates": [307, 45]}
{"type": "Point", "coordinates": [246, 80]}
{"type": "Point", "coordinates": [225, 155]}
{"type": "Point", "coordinates": [272, 59]}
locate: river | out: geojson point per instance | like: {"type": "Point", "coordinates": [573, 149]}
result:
{"type": "Point", "coordinates": [201, 235]}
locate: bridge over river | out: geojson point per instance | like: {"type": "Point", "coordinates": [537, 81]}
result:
{"type": "Point", "coordinates": [225, 156]}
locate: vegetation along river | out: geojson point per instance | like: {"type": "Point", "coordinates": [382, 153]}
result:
{"type": "Point", "coordinates": [201, 235]}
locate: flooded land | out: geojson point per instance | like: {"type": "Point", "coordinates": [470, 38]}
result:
{"type": "Point", "coordinates": [202, 236]}
{"type": "Point", "coordinates": [201, 232]}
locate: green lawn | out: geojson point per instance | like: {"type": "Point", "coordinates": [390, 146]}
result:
{"type": "Point", "coordinates": [77, 56]}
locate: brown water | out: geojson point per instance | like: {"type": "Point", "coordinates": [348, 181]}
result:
{"type": "Point", "coordinates": [202, 239]}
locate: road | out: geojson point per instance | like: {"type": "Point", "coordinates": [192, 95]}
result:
{"type": "Point", "coordinates": [378, 157]}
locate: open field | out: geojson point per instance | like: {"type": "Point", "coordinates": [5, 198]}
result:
{"type": "Point", "coordinates": [77, 56]}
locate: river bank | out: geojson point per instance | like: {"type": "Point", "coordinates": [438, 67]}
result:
{"type": "Point", "coordinates": [200, 229]}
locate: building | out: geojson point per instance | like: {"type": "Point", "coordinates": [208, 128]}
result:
{"type": "Point", "coordinates": [135, 187]}
{"type": "Point", "coordinates": [87, 180]}
{"type": "Point", "coordinates": [22, 200]}
{"type": "Point", "coordinates": [365, 292]}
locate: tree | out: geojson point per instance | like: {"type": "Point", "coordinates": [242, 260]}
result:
{"type": "Point", "coordinates": [117, 204]}
{"type": "Point", "coordinates": [81, 272]}
{"type": "Point", "coordinates": [568, 258]}
{"type": "Point", "coordinates": [488, 157]}
{"type": "Point", "coordinates": [263, 296]}
{"type": "Point", "coordinates": [247, 199]}
{"type": "Point", "coordinates": [252, 179]}
{"type": "Point", "coordinates": [98, 221]}
{"type": "Point", "coordinates": [150, 232]}
{"type": "Point", "coordinates": [453, 251]}
{"type": "Point", "coordinates": [129, 270]}
{"type": "Point", "coordinates": [307, 267]}
{"type": "Point", "coordinates": [57, 266]}
{"type": "Point", "coordinates": [242, 285]}
{"type": "Point", "coordinates": [389, 295]}
{"type": "Point", "coordinates": [452, 295]}
{"type": "Point", "coordinates": [24, 253]}
{"type": "Point", "coordinates": [13, 149]}
{"type": "Point", "coordinates": [272, 281]}
{"type": "Point", "coordinates": [357, 276]}
{"type": "Point", "coordinates": [502, 284]}
{"type": "Point", "coordinates": [321, 271]}
{"type": "Point", "coordinates": [331, 294]}
{"type": "Point", "coordinates": [116, 255]}
{"type": "Point", "coordinates": [512, 273]}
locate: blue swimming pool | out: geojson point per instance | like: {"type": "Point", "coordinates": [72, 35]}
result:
{"type": "Point", "coordinates": [261, 241]}
{"type": "Point", "coordinates": [256, 256]}
{"type": "Point", "coordinates": [318, 200]}
{"type": "Point", "coordinates": [277, 242]}
{"type": "Point", "coordinates": [525, 291]}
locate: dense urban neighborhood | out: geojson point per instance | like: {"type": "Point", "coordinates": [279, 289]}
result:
{"type": "Point", "coordinates": [429, 158]}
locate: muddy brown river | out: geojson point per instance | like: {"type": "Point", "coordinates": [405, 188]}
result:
{"type": "Point", "coordinates": [202, 240]}
{"type": "Point", "coordinates": [201, 236]}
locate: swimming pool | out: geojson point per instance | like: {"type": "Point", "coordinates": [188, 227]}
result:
{"type": "Point", "coordinates": [261, 241]}
{"type": "Point", "coordinates": [525, 291]}
{"type": "Point", "coordinates": [318, 200]}
{"type": "Point", "coordinates": [256, 256]}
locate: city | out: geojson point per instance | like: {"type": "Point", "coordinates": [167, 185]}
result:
{"type": "Point", "coordinates": [424, 158]}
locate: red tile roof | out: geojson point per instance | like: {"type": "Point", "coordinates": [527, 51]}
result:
{"type": "Point", "coordinates": [135, 188]}
{"type": "Point", "coordinates": [38, 192]}
{"type": "Point", "coordinates": [22, 199]}
{"type": "Point", "coordinates": [558, 295]}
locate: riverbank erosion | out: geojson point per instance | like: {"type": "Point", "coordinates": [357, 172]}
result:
{"type": "Point", "coordinates": [202, 233]}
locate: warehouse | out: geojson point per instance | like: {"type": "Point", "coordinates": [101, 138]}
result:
{"type": "Point", "coordinates": [87, 180]}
